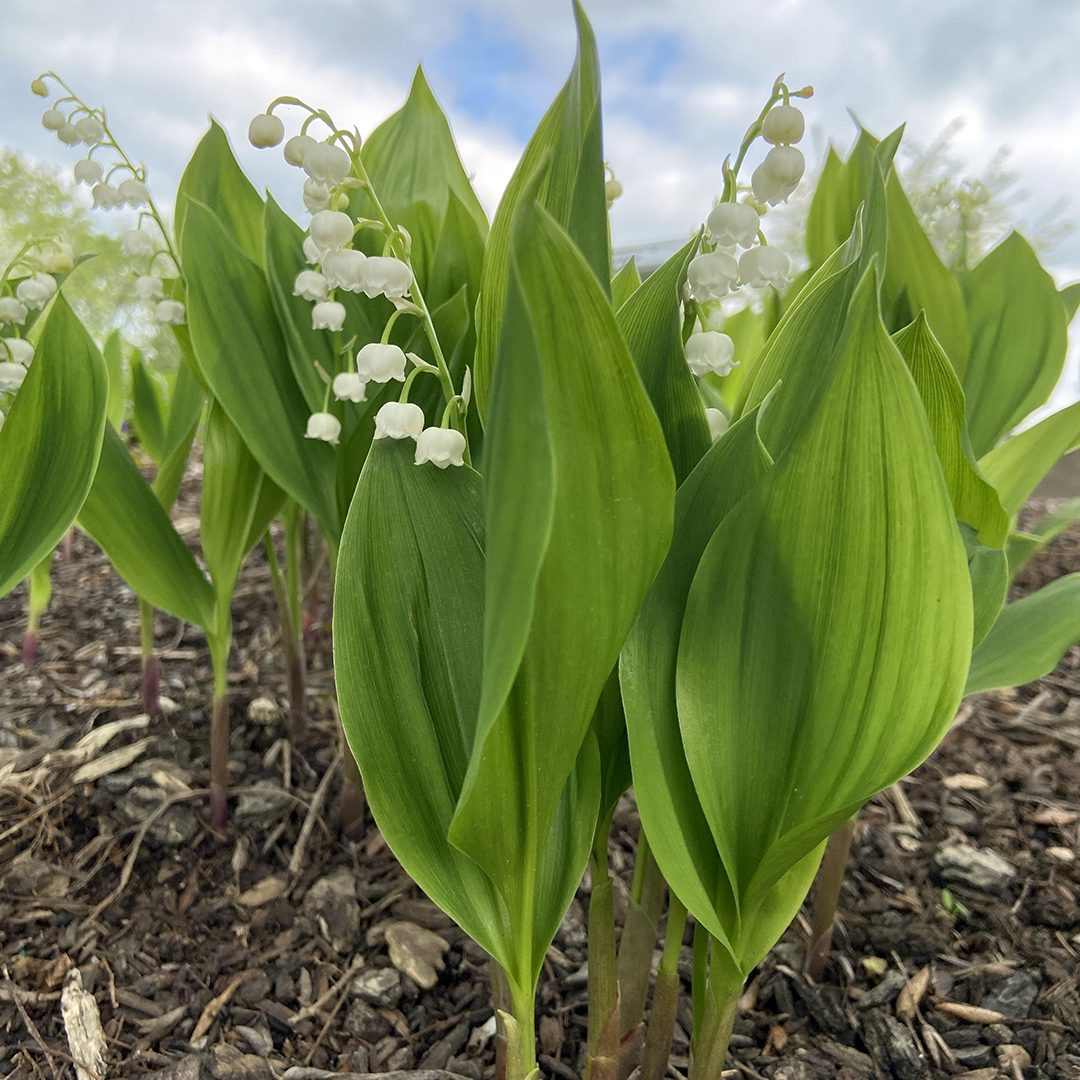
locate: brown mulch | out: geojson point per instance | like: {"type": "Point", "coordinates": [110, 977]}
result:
{"type": "Point", "coordinates": [265, 949]}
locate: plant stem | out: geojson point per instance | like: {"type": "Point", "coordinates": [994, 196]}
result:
{"type": "Point", "coordinates": [38, 602]}
{"type": "Point", "coordinates": [721, 1007]}
{"type": "Point", "coordinates": [291, 638]}
{"type": "Point", "coordinates": [665, 1002]}
{"type": "Point", "coordinates": [219, 732]}
{"type": "Point", "coordinates": [830, 880]}
{"type": "Point", "coordinates": [151, 667]}
{"type": "Point", "coordinates": [603, 1041]}
{"type": "Point", "coordinates": [638, 941]}
{"type": "Point", "coordinates": [521, 1033]}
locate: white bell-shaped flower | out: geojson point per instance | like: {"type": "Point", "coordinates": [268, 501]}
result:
{"type": "Point", "coordinates": [265, 130]}
{"type": "Point", "coordinates": [778, 175]}
{"type": "Point", "coordinates": [327, 315]}
{"type": "Point", "coordinates": [441, 446]}
{"type": "Point", "coordinates": [734, 223]}
{"type": "Point", "coordinates": [134, 192]}
{"type": "Point", "coordinates": [712, 275]}
{"type": "Point", "coordinates": [69, 135]}
{"type": "Point", "coordinates": [11, 375]}
{"type": "Point", "coordinates": [330, 230]}
{"type": "Point", "coordinates": [88, 171]}
{"type": "Point", "coordinates": [312, 254]}
{"type": "Point", "coordinates": [89, 130]}
{"type": "Point", "coordinates": [53, 119]}
{"type": "Point", "coordinates": [137, 242]}
{"type": "Point", "coordinates": [783, 124]}
{"type": "Point", "coordinates": [106, 197]}
{"type": "Point", "coordinates": [348, 386]}
{"type": "Point", "coordinates": [60, 259]}
{"type": "Point", "coordinates": [344, 269]}
{"type": "Point", "coordinates": [311, 285]}
{"type": "Point", "coordinates": [12, 310]}
{"type": "Point", "coordinates": [399, 420]}
{"type": "Point", "coordinates": [19, 350]}
{"type": "Point", "coordinates": [297, 147]}
{"type": "Point", "coordinates": [718, 422]}
{"type": "Point", "coordinates": [386, 276]}
{"type": "Point", "coordinates": [709, 351]}
{"type": "Point", "coordinates": [326, 163]}
{"type": "Point", "coordinates": [765, 266]}
{"type": "Point", "coordinates": [35, 292]}
{"type": "Point", "coordinates": [380, 363]}
{"type": "Point", "coordinates": [316, 196]}
{"type": "Point", "coordinates": [323, 426]}
{"type": "Point", "coordinates": [148, 287]}
{"type": "Point", "coordinates": [170, 313]}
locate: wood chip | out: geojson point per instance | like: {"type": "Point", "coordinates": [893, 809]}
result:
{"type": "Point", "coordinates": [909, 998]}
{"type": "Point", "coordinates": [82, 1026]}
{"type": "Point", "coordinates": [1053, 816]}
{"type": "Point", "coordinates": [270, 888]}
{"type": "Point", "coordinates": [1061, 854]}
{"type": "Point", "coordinates": [966, 781]}
{"type": "Point", "coordinates": [112, 762]}
{"type": "Point", "coordinates": [971, 1014]}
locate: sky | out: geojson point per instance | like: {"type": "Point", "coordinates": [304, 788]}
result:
{"type": "Point", "coordinates": [681, 81]}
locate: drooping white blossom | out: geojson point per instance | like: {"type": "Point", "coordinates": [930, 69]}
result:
{"type": "Point", "coordinates": [170, 313]}
{"type": "Point", "coordinates": [11, 375]}
{"type": "Point", "coordinates": [19, 350]}
{"type": "Point", "coordinates": [783, 124]}
{"type": "Point", "coordinates": [53, 119]}
{"type": "Point", "coordinates": [330, 230]}
{"type": "Point", "coordinates": [311, 250]}
{"type": "Point", "coordinates": [148, 287]}
{"type": "Point", "coordinates": [36, 291]}
{"type": "Point", "coordinates": [378, 362]}
{"type": "Point", "coordinates": [137, 242]}
{"type": "Point", "coordinates": [344, 269]}
{"type": "Point", "coordinates": [69, 135]}
{"type": "Point", "coordinates": [265, 130]}
{"type": "Point", "coordinates": [386, 276]}
{"type": "Point", "coordinates": [734, 223]}
{"type": "Point", "coordinates": [311, 285]}
{"type": "Point", "coordinates": [778, 175]}
{"type": "Point", "coordinates": [712, 275]}
{"type": "Point", "coordinates": [613, 190]}
{"type": "Point", "coordinates": [718, 422]}
{"type": "Point", "coordinates": [399, 420]}
{"type": "Point", "coordinates": [326, 163]}
{"type": "Point", "coordinates": [316, 195]}
{"type": "Point", "coordinates": [12, 310]}
{"type": "Point", "coordinates": [443, 447]}
{"type": "Point", "coordinates": [106, 197]}
{"type": "Point", "coordinates": [297, 147]}
{"type": "Point", "coordinates": [765, 266]}
{"type": "Point", "coordinates": [323, 426]}
{"type": "Point", "coordinates": [709, 351]}
{"type": "Point", "coordinates": [349, 386]}
{"type": "Point", "coordinates": [88, 171]}
{"type": "Point", "coordinates": [328, 315]}
{"type": "Point", "coordinates": [134, 192]}
{"type": "Point", "coordinates": [89, 130]}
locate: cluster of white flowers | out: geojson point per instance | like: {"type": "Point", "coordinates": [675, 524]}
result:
{"type": "Point", "coordinates": [114, 185]}
{"type": "Point", "coordinates": [721, 268]}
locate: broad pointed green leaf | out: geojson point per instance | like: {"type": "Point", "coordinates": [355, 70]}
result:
{"type": "Point", "coordinates": [625, 283]}
{"type": "Point", "coordinates": [1023, 546]}
{"type": "Point", "coordinates": [822, 219]}
{"type": "Point", "coordinates": [1029, 637]}
{"type": "Point", "coordinates": [1018, 340]}
{"type": "Point", "coordinates": [50, 442]}
{"type": "Point", "coordinates": [1018, 465]}
{"type": "Point", "coordinates": [119, 378]}
{"type": "Point", "coordinates": [147, 409]}
{"type": "Point", "coordinates": [1070, 297]}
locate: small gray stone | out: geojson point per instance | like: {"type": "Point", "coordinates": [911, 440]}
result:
{"type": "Point", "coordinates": [416, 952]}
{"type": "Point", "coordinates": [363, 1022]}
{"type": "Point", "coordinates": [227, 1063]}
{"type": "Point", "coordinates": [264, 806]}
{"type": "Point", "coordinates": [187, 1068]}
{"type": "Point", "coordinates": [173, 828]}
{"type": "Point", "coordinates": [981, 869]}
{"type": "Point", "coordinates": [331, 903]}
{"type": "Point", "coordinates": [378, 986]}
{"type": "Point", "coordinates": [1013, 997]}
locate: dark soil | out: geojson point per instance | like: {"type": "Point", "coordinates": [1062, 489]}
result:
{"type": "Point", "coordinates": [264, 949]}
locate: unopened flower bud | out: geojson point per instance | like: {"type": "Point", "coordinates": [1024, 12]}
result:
{"type": "Point", "coordinates": [296, 147]}
{"type": "Point", "coordinates": [170, 313]}
{"type": "Point", "coordinates": [718, 422]}
{"type": "Point", "coordinates": [311, 285]}
{"type": "Point", "coordinates": [328, 315]}
{"type": "Point", "coordinates": [37, 86]}
{"type": "Point", "coordinates": [765, 266]}
{"type": "Point", "coordinates": [709, 351]}
{"type": "Point", "coordinates": [11, 376]}
{"type": "Point", "coordinates": [265, 130]}
{"type": "Point", "coordinates": [734, 223]}
{"type": "Point", "coordinates": [441, 446]}
{"type": "Point", "coordinates": [612, 191]}
{"type": "Point", "coordinates": [148, 287]}
{"type": "Point", "coordinates": [344, 269]}
{"type": "Point", "coordinates": [19, 350]}
{"type": "Point", "coordinates": [348, 386]}
{"type": "Point", "coordinates": [53, 120]}
{"type": "Point", "coordinates": [60, 260]}
{"type": "Point", "coordinates": [136, 242]}
{"type": "Point", "coordinates": [89, 130]}
{"type": "Point", "coordinates": [330, 230]}
{"type": "Point", "coordinates": [783, 124]}
{"type": "Point", "coordinates": [399, 420]}
{"type": "Point", "coordinates": [778, 175]}
{"type": "Point", "coordinates": [386, 276]}
{"type": "Point", "coordinates": [712, 275]}
{"type": "Point", "coordinates": [380, 363]}
{"type": "Point", "coordinates": [88, 171]}
{"type": "Point", "coordinates": [323, 426]}
{"type": "Point", "coordinates": [326, 163]}
{"type": "Point", "coordinates": [133, 192]}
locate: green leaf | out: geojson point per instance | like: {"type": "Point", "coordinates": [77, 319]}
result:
{"type": "Point", "coordinates": [243, 356]}
{"type": "Point", "coordinates": [50, 442]}
{"type": "Point", "coordinates": [113, 354]}
{"type": "Point", "coordinates": [147, 409]}
{"type": "Point", "coordinates": [1018, 340]}
{"type": "Point", "coordinates": [578, 502]}
{"type": "Point", "coordinates": [823, 234]}
{"type": "Point", "coordinates": [974, 500]}
{"type": "Point", "coordinates": [185, 406]}
{"type": "Point", "coordinates": [1018, 465]}
{"type": "Point", "coordinates": [625, 283]}
{"type": "Point", "coordinates": [1070, 297]}
{"type": "Point", "coordinates": [214, 178]}
{"type": "Point", "coordinates": [566, 151]}
{"type": "Point", "coordinates": [651, 326]}
{"type": "Point", "coordinates": [1026, 545]}
{"type": "Point", "coordinates": [843, 570]}
{"type": "Point", "coordinates": [1029, 638]}
{"type": "Point", "coordinates": [988, 568]}
{"type": "Point", "coordinates": [124, 516]}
